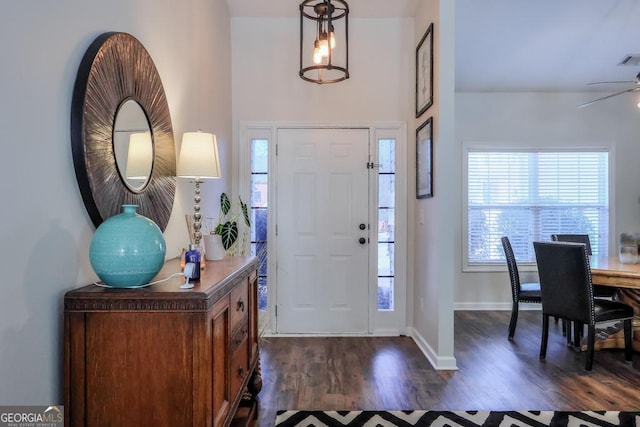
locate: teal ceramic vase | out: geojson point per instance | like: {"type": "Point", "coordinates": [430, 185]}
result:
{"type": "Point", "coordinates": [127, 249]}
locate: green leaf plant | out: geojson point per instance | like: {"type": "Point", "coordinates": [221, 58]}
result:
{"type": "Point", "coordinates": [233, 222]}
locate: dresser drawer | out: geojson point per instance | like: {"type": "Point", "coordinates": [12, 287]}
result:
{"type": "Point", "coordinates": [239, 304]}
{"type": "Point", "coordinates": [238, 337]}
{"type": "Point", "coordinates": [239, 366]}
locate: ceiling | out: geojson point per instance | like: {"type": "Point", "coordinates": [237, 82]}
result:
{"type": "Point", "coordinates": [290, 8]}
{"type": "Point", "coordinates": [545, 45]}
{"type": "Point", "coordinates": [518, 45]}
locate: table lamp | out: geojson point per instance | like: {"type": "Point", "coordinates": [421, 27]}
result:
{"type": "Point", "coordinates": [198, 160]}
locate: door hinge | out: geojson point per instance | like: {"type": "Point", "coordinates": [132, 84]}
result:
{"type": "Point", "coordinates": [276, 307]}
{"type": "Point", "coordinates": [276, 229]}
{"type": "Point", "coordinates": [276, 149]}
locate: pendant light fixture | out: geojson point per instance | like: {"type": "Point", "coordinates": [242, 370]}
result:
{"type": "Point", "coordinates": [324, 41]}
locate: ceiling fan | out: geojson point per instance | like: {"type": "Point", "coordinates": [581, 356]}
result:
{"type": "Point", "coordinates": [636, 82]}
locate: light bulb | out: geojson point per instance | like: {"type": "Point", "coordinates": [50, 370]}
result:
{"type": "Point", "coordinates": [323, 42]}
{"type": "Point", "coordinates": [317, 53]}
{"type": "Point", "coordinates": [324, 48]}
{"type": "Point", "coordinates": [332, 38]}
{"type": "Point", "coordinates": [317, 57]}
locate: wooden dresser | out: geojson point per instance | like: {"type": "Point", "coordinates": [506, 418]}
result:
{"type": "Point", "coordinates": [164, 356]}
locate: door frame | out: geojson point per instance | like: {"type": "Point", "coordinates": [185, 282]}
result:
{"type": "Point", "coordinates": [381, 323]}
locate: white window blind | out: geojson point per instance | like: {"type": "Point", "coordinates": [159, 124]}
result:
{"type": "Point", "coordinates": [528, 196]}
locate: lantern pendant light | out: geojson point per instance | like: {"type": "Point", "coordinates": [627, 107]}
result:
{"type": "Point", "coordinates": [324, 41]}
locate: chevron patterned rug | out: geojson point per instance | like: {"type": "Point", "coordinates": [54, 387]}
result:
{"type": "Point", "coordinates": [457, 419]}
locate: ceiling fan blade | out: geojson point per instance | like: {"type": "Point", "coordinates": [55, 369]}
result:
{"type": "Point", "coordinates": [633, 89]}
{"type": "Point", "coordinates": [619, 81]}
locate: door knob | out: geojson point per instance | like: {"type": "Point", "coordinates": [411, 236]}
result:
{"type": "Point", "coordinates": [362, 226]}
{"type": "Point", "coordinates": [362, 240]}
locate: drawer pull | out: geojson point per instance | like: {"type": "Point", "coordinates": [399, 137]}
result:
{"type": "Point", "coordinates": [240, 335]}
{"type": "Point", "coordinates": [240, 305]}
{"type": "Point", "coordinates": [241, 372]}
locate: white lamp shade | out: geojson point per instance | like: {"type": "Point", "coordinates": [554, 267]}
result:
{"type": "Point", "coordinates": [199, 156]}
{"type": "Point", "coordinates": [139, 156]}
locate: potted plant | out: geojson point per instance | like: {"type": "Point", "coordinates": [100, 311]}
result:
{"type": "Point", "coordinates": [233, 221]}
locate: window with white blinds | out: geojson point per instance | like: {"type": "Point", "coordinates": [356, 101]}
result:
{"type": "Point", "coordinates": [529, 195]}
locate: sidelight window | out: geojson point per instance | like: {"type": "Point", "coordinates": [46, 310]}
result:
{"type": "Point", "coordinates": [386, 223]}
{"type": "Point", "coordinates": [259, 206]}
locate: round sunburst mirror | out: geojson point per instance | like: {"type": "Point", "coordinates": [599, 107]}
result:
{"type": "Point", "coordinates": [116, 73]}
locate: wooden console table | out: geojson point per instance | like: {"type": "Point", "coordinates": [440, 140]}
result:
{"type": "Point", "coordinates": [161, 355]}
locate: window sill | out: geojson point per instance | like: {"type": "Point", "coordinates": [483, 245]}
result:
{"type": "Point", "coordinates": [498, 268]}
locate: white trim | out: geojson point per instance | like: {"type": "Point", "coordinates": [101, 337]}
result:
{"type": "Point", "coordinates": [494, 306]}
{"type": "Point", "coordinates": [382, 323]}
{"type": "Point", "coordinates": [270, 334]}
{"type": "Point", "coordinates": [467, 146]}
{"type": "Point", "coordinates": [395, 319]}
{"type": "Point", "coordinates": [613, 235]}
{"type": "Point", "coordinates": [246, 134]}
{"type": "Point", "coordinates": [438, 363]}
{"type": "Point", "coordinates": [372, 231]}
{"type": "Point", "coordinates": [500, 268]}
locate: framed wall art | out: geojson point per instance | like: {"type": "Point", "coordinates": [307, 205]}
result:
{"type": "Point", "coordinates": [424, 160]}
{"type": "Point", "coordinates": [424, 72]}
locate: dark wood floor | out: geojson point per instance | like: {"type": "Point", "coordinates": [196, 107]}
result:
{"type": "Point", "coordinates": [493, 373]}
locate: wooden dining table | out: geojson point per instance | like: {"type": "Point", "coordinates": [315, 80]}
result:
{"type": "Point", "coordinates": [609, 271]}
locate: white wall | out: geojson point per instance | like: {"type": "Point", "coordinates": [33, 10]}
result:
{"type": "Point", "coordinates": [266, 86]}
{"type": "Point", "coordinates": [44, 227]}
{"type": "Point", "coordinates": [550, 119]}
{"type": "Point", "coordinates": [433, 220]}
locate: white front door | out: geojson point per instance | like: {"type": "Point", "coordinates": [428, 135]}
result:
{"type": "Point", "coordinates": [322, 242]}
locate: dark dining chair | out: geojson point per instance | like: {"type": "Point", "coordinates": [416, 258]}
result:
{"type": "Point", "coordinates": [575, 238]}
{"type": "Point", "coordinates": [567, 293]}
{"type": "Point", "coordinates": [578, 329]}
{"type": "Point", "coordinates": [520, 292]}
{"type": "Point", "coordinates": [598, 291]}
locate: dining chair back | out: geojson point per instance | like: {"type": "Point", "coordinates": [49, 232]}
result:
{"type": "Point", "coordinates": [567, 293]}
{"type": "Point", "coordinates": [598, 291]}
{"type": "Point", "coordinates": [520, 292]}
{"type": "Point", "coordinates": [575, 238]}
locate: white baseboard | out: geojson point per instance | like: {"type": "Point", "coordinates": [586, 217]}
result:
{"type": "Point", "coordinates": [493, 306]}
{"type": "Point", "coordinates": [380, 333]}
{"type": "Point", "coordinates": [438, 363]}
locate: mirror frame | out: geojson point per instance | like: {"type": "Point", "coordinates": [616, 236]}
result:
{"type": "Point", "coordinates": [117, 68]}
